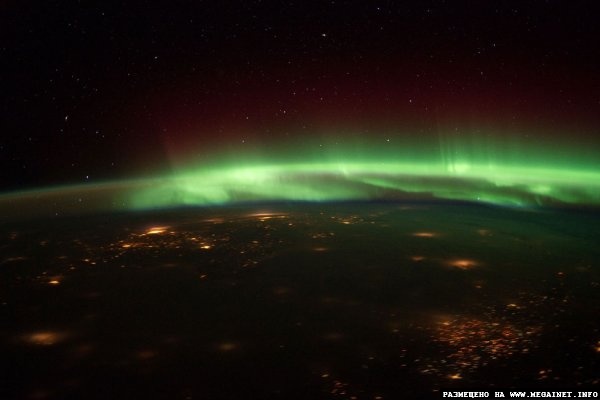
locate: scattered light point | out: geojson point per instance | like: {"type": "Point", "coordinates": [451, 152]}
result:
{"type": "Point", "coordinates": [463, 263]}
{"type": "Point", "coordinates": [156, 230]}
{"type": "Point", "coordinates": [425, 234]}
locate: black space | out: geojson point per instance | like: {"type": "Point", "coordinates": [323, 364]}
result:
{"type": "Point", "coordinates": [90, 89]}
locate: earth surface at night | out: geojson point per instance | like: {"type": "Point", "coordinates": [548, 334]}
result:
{"type": "Point", "coordinates": [348, 301]}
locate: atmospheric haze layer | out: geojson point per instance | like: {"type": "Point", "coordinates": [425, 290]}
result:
{"type": "Point", "coordinates": [489, 170]}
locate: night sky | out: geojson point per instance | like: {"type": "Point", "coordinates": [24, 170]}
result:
{"type": "Point", "coordinates": [104, 91]}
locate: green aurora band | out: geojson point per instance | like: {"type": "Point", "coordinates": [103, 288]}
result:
{"type": "Point", "coordinates": [475, 167]}
{"type": "Point", "coordinates": [514, 174]}
{"type": "Point", "coordinates": [367, 181]}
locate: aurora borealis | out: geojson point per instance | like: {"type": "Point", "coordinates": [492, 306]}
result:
{"type": "Point", "coordinates": [472, 170]}
{"type": "Point", "coordinates": [523, 174]}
